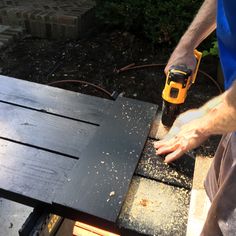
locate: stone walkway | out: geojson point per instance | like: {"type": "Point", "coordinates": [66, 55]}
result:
{"type": "Point", "coordinates": [57, 19]}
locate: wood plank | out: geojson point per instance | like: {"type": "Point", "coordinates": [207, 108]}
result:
{"type": "Point", "coordinates": [101, 179]}
{"type": "Point", "coordinates": [53, 100]}
{"type": "Point", "coordinates": [178, 173]}
{"type": "Point", "coordinates": [154, 208]}
{"type": "Point", "coordinates": [45, 131]}
{"type": "Point", "coordinates": [31, 176]}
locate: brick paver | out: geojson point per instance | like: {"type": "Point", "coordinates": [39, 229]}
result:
{"type": "Point", "coordinates": [8, 34]}
{"type": "Point", "coordinates": [58, 19]}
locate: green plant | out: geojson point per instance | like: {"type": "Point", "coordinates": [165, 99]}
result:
{"type": "Point", "coordinates": [213, 51]}
{"type": "Point", "coordinates": [160, 21]}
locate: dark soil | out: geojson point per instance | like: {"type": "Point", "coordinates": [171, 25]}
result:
{"type": "Point", "coordinates": [97, 60]}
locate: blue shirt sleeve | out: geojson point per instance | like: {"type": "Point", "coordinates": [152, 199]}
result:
{"type": "Point", "coordinates": [226, 34]}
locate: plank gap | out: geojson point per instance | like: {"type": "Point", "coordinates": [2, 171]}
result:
{"type": "Point", "coordinates": [50, 113]}
{"type": "Point", "coordinates": [179, 185]}
{"type": "Point", "coordinates": [40, 148]}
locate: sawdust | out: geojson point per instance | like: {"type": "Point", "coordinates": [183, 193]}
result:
{"type": "Point", "coordinates": [155, 208]}
{"type": "Point", "coordinates": [158, 130]}
{"type": "Point", "coordinates": [112, 193]}
{"type": "Point", "coordinates": [144, 202]}
{"type": "Point", "coordinates": [152, 166]}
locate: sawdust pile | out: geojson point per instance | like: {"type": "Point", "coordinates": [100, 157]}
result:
{"type": "Point", "coordinates": [155, 208]}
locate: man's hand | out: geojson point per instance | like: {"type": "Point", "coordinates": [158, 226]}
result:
{"type": "Point", "coordinates": [182, 57]}
{"type": "Point", "coordinates": [183, 136]}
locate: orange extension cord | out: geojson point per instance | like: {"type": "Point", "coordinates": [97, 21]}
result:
{"type": "Point", "coordinates": [133, 66]}
{"type": "Point", "coordinates": [127, 68]}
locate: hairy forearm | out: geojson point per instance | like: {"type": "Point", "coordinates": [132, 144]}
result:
{"type": "Point", "coordinates": [219, 114]}
{"type": "Point", "coordinates": [203, 24]}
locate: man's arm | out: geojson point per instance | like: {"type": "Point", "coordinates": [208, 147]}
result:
{"type": "Point", "coordinates": [220, 112]}
{"type": "Point", "coordinates": [203, 24]}
{"type": "Point", "coordinates": [193, 127]}
{"type": "Point", "coordinates": [218, 116]}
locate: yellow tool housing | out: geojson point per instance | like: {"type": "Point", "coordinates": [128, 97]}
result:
{"type": "Point", "coordinates": [180, 91]}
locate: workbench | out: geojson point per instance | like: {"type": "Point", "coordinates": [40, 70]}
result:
{"type": "Point", "coordinates": [75, 155]}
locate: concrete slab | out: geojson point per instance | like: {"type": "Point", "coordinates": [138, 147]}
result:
{"type": "Point", "coordinates": [199, 202]}
{"type": "Point", "coordinates": [57, 19]}
{"type": "Point", "coordinates": [199, 206]}
{"type": "Point", "coordinates": [13, 215]}
{"type": "Point", "coordinates": [202, 166]}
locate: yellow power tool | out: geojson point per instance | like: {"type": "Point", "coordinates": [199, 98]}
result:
{"type": "Point", "coordinates": [178, 81]}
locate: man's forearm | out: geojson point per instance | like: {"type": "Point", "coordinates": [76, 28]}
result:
{"type": "Point", "coordinates": [203, 24]}
{"type": "Point", "coordinates": [220, 113]}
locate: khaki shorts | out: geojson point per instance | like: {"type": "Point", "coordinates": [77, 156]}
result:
{"type": "Point", "coordinates": [220, 186]}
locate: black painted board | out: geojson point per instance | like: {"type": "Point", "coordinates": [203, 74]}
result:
{"type": "Point", "coordinates": [101, 178]}
{"type": "Point", "coordinates": [53, 100]}
{"type": "Point", "coordinates": [32, 176]}
{"type": "Point", "coordinates": [45, 131]}
{"type": "Point", "coordinates": [178, 173]}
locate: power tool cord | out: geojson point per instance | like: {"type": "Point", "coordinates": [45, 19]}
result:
{"type": "Point", "coordinates": [83, 82]}
{"type": "Point", "coordinates": [123, 69]}
{"type": "Point", "coordinates": [213, 80]}
{"type": "Point", "coordinates": [133, 66]}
